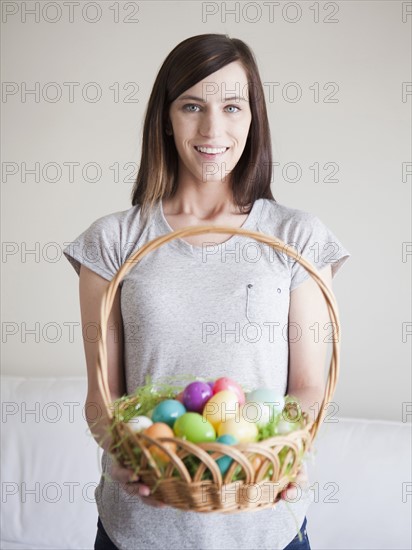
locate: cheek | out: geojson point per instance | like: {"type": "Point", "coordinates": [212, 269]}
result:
{"type": "Point", "coordinates": [246, 126]}
{"type": "Point", "coordinates": [241, 129]}
{"type": "Point", "coordinates": [180, 137]}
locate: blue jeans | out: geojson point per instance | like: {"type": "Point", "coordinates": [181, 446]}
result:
{"type": "Point", "coordinates": [103, 542]}
{"type": "Point", "coordinates": [295, 544]}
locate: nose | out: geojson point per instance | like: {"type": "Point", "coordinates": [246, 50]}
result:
{"type": "Point", "coordinates": [210, 124]}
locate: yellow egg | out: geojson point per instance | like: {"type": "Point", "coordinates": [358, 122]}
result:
{"type": "Point", "coordinates": [222, 406]}
{"type": "Point", "coordinates": [242, 429]}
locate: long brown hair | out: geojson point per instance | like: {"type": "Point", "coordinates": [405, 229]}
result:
{"type": "Point", "coordinates": [187, 64]}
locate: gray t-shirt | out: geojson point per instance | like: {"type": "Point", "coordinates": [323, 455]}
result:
{"type": "Point", "coordinates": [216, 310]}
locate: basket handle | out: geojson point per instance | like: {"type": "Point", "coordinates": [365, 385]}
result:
{"type": "Point", "coordinates": [274, 242]}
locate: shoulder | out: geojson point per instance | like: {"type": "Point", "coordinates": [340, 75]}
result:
{"type": "Point", "coordinates": [307, 233]}
{"type": "Point", "coordinates": [283, 221]}
{"type": "Point", "coordinates": [274, 209]}
{"type": "Point", "coordinates": [118, 220]}
{"type": "Point", "coordinates": [103, 245]}
{"type": "Point", "coordinates": [124, 226]}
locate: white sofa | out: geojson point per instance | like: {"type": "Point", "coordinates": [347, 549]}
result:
{"type": "Point", "coordinates": [50, 466]}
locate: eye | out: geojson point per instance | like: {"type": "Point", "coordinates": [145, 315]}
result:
{"type": "Point", "coordinates": [185, 107]}
{"type": "Point", "coordinates": [234, 106]}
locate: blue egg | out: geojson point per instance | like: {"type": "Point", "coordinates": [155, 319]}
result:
{"type": "Point", "coordinates": [227, 438]}
{"type": "Point", "coordinates": [224, 462]}
{"type": "Point", "coordinates": [168, 411]}
{"type": "Point", "coordinates": [273, 400]}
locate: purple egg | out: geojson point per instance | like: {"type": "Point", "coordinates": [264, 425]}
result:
{"type": "Point", "coordinates": [195, 396]}
{"type": "Point", "coordinates": [211, 383]}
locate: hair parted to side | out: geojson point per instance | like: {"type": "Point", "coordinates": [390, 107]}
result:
{"type": "Point", "coordinates": [188, 63]}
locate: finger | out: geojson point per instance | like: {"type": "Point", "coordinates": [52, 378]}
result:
{"type": "Point", "coordinates": [144, 490]}
{"type": "Point", "coordinates": [294, 489]}
{"type": "Point", "coordinates": [137, 489]}
{"type": "Point", "coordinates": [301, 478]}
{"type": "Point", "coordinates": [123, 474]}
{"type": "Point", "coordinates": [153, 502]}
{"type": "Point", "coordinates": [141, 491]}
{"type": "Point", "coordinates": [290, 493]}
{"type": "Point", "coordinates": [132, 489]}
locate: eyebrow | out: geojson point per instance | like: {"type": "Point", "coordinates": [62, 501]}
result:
{"type": "Point", "coordinates": [195, 98]}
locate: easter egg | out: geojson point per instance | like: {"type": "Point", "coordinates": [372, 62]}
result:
{"type": "Point", "coordinates": [179, 397]}
{"type": "Point", "coordinates": [257, 462]}
{"type": "Point", "coordinates": [168, 411]}
{"type": "Point", "coordinates": [225, 383]}
{"type": "Point", "coordinates": [211, 383]}
{"type": "Point", "coordinates": [195, 396]}
{"type": "Point", "coordinates": [193, 427]}
{"type": "Point", "coordinates": [242, 429]}
{"type": "Point", "coordinates": [139, 423]}
{"type": "Point", "coordinates": [156, 431]}
{"type": "Point", "coordinates": [269, 398]}
{"type": "Point", "coordinates": [224, 462]}
{"type": "Point", "coordinates": [257, 412]}
{"type": "Point", "coordinates": [285, 427]}
{"type": "Point", "coordinates": [223, 405]}
{"type": "Point", "coordinates": [227, 439]}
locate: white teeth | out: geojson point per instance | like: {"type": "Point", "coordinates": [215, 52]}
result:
{"type": "Point", "coordinates": [211, 151]}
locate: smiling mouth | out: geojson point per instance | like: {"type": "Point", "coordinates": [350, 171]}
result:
{"type": "Point", "coordinates": [211, 155]}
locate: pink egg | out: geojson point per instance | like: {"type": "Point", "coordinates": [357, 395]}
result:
{"type": "Point", "coordinates": [224, 383]}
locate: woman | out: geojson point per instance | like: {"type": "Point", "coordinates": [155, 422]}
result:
{"type": "Point", "coordinates": [211, 304]}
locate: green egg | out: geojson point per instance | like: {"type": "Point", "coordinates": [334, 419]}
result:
{"type": "Point", "coordinates": [193, 427]}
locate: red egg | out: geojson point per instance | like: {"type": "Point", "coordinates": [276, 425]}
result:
{"type": "Point", "coordinates": [179, 397]}
{"type": "Point", "coordinates": [228, 384]}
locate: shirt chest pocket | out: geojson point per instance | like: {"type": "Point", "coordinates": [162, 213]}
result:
{"type": "Point", "coordinates": [262, 301]}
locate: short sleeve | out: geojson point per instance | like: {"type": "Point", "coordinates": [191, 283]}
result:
{"type": "Point", "coordinates": [97, 248]}
{"type": "Point", "coordinates": [318, 245]}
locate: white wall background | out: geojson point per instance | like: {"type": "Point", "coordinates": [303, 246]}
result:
{"type": "Point", "coordinates": [360, 61]}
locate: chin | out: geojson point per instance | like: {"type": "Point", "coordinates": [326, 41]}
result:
{"type": "Point", "coordinates": [222, 174]}
{"type": "Point", "coordinates": [214, 179]}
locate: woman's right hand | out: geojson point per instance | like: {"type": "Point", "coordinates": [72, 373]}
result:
{"type": "Point", "coordinates": [130, 483]}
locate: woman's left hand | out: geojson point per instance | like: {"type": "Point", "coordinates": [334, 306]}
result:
{"type": "Point", "coordinates": [293, 491]}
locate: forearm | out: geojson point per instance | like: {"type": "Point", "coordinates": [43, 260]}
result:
{"type": "Point", "coordinates": [98, 421]}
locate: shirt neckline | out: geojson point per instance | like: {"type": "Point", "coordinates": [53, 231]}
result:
{"type": "Point", "coordinates": [194, 250]}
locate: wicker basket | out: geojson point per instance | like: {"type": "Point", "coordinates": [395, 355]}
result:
{"type": "Point", "coordinates": [219, 494]}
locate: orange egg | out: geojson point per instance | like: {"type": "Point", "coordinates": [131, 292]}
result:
{"type": "Point", "coordinates": [256, 462]}
{"type": "Point", "coordinates": [156, 431]}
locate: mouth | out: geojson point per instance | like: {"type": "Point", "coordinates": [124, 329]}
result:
{"type": "Point", "coordinates": [210, 153]}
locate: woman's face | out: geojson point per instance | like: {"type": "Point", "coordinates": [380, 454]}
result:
{"type": "Point", "coordinates": [216, 114]}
